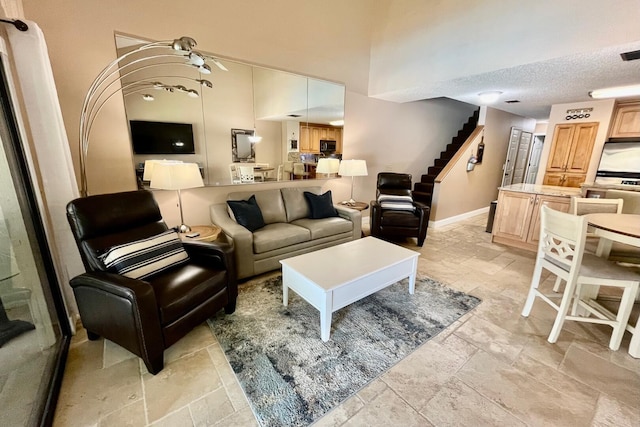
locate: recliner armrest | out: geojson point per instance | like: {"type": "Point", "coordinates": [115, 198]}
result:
{"type": "Point", "coordinates": [220, 255]}
{"type": "Point", "coordinates": [421, 209]}
{"type": "Point", "coordinates": [123, 310]}
{"type": "Point", "coordinates": [116, 284]}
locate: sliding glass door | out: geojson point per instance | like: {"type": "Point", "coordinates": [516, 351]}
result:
{"type": "Point", "coordinates": [34, 333]}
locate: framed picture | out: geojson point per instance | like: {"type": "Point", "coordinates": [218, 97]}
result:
{"type": "Point", "coordinates": [242, 150]}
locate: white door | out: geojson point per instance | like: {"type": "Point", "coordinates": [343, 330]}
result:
{"type": "Point", "coordinates": [512, 152]}
{"type": "Point", "coordinates": [522, 159]}
{"type": "Point", "coordinates": [534, 159]}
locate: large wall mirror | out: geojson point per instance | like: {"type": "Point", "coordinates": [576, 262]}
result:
{"type": "Point", "coordinates": [198, 114]}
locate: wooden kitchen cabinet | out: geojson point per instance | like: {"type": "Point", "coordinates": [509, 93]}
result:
{"type": "Point", "coordinates": [311, 134]}
{"type": "Point", "coordinates": [517, 220]}
{"type": "Point", "coordinates": [626, 121]}
{"type": "Point", "coordinates": [570, 154]}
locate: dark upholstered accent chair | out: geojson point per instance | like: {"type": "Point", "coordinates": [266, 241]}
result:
{"type": "Point", "coordinates": [144, 316]}
{"type": "Point", "coordinates": [390, 223]}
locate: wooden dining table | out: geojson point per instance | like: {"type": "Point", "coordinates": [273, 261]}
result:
{"type": "Point", "coordinates": [623, 228]}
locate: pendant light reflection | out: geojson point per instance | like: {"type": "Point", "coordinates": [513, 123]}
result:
{"type": "Point", "coordinates": [255, 138]}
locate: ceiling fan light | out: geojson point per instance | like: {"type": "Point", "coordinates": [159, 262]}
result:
{"type": "Point", "coordinates": [196, 58]}
{"type": "Point", "coordinates": [204, 69]}
{"type": "Point", "coordinates": [184, 44]}
{"type": "Point", "coordinates": [192, 93]}
{"type": "Point", "coordinates": [205, 83]}
{"type": "Point", "coordinates": [615, 92]}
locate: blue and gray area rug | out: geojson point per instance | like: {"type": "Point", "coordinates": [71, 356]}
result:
{"type": "Point", "coordinates": [292, 378]}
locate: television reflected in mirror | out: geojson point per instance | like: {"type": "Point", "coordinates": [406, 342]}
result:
{"type": "Point", "coordinates": [161, 137]}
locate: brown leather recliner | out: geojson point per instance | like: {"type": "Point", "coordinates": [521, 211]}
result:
{"type": "Point", "coordinates": [144, 316]}
{"type": "Point", "coordinates": [392, 223]}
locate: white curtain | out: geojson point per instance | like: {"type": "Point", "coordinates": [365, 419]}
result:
{"type": "Point", "coordinates": [49, 151]}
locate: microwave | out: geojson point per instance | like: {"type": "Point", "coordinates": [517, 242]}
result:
{"type": "Point", "coordinates": [327, 146]}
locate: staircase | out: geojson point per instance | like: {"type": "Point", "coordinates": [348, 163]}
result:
{"type": "Point", "coordinates": [423, 190]}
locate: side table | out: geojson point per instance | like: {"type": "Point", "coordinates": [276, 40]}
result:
{"type": "Point", "coordinates": [208, 233]}
{"type": "Point", "coordinates": [360, 206]}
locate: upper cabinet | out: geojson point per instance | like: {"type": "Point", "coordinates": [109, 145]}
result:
{"type": "Point", "coordinates": [626, 120]}
{"type": "Point", "coordinates": [311, 134]}
{"type": "Point", "coordinates": [570, 154]}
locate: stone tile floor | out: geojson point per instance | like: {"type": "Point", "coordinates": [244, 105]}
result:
{"type": "Point", "coordinates": [492, 367]}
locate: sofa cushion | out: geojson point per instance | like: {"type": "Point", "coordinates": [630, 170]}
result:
{"type": "Point", "coordinates": [320, 205]}
{"type": "Point", "coordinates": [295, 203]}
{"type": "Point", "coordinates": [247, 213]}
{"type": "Point", "coordinates": [269, 201]}
{"type": "Point", "coordinates": [325, 227]}
{"type": "Point", "coordinates": [143, 258]}
{"type": "Point", "coordinates": [279, 235]}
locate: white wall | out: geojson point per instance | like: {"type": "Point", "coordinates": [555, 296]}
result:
{"type": "Point", "coordinates": [435, 43]}
{"type": "Point", "coordinates": [602, 113]}
{"type": "Point", "coordinates": [463, 191]}
{"type": "Point", "coordinates": [281, 34]}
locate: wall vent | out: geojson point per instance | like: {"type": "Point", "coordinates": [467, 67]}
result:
{"type": "Point", "coordinates": [630, 56]}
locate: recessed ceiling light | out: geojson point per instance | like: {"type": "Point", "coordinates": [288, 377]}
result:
{"type": "Point", "coordinates": [616, 92]}
{"type": "Point", "coordinates": [489, 97]}
{"type": "Point", "coordinates": [148, 97]}
{"type": "Point", "coordinates": [337, 123]}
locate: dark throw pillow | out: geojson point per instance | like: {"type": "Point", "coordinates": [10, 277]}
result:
{"type": "Point", "coordinates": [321, 206]}
{"type": "Point", "coordinates": [247, 213]}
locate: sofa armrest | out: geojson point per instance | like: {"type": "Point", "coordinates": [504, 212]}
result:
{"type": "Point", "coordinates": [353, 215]}
{"type": "Point", "coordinates": [241, 237]}
{"type": "Point", "coordinates": [121, 309]}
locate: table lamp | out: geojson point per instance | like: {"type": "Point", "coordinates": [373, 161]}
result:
{"type": "Point", "coordinates": [352, 168]}
{"type": "Point", "coordinates": [176, 176]}
{"type": "Point", "coordinates": [328, 166]}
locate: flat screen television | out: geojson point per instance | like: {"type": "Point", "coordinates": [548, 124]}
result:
{"type": "Point", "coordinates": [161, 137]}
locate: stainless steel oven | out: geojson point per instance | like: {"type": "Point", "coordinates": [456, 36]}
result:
{"type": "Point", "coordinates": [620, 162]}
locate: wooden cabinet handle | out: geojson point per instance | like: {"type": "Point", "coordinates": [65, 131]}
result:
{"type": "Point", "coordinates": [531, 200]}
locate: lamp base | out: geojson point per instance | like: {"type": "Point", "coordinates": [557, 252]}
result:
{"type": "Point", "coordinates": [184, 228]}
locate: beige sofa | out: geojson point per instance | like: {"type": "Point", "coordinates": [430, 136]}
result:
{"type": "Point", "coordinates": [288, 231]}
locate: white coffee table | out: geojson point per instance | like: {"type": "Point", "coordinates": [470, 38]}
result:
{"type": "Point", "coordinates": [332, 278]}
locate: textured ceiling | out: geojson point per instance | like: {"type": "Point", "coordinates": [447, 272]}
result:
{"type": "Point", "coordinates": [538, 85]}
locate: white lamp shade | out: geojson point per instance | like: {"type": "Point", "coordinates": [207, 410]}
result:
{"type": "Point", "coordinates": [176, 176]}
{"type": "Point", "coordinates": [353, 168]}
{"type": "Point", "coordinates": [328, 166]}
{"type": "Point", "coordinates": [149, 164]}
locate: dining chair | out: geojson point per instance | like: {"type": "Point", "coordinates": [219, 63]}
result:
{"type": "Point", "coordinates": [246, 173]}
{"type": "Point", "coordinates": [588, 205]}
{"type": "Point", "coordinates": [299, 171]}
{"type": "Point", "coordinates": [561, 252]}
{"type": "Point", "coordinates": [585, 205]}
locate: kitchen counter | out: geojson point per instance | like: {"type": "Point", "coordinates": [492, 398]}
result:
{"type": "Point", "coordinates": [517, 219]}
{"type": "Point", "coordinates": [548, 190]}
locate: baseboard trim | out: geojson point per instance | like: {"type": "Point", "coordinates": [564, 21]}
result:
{"type": "Point", "coordinates": [457, 218]}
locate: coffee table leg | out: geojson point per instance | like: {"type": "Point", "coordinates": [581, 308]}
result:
{"type": "Point", "coordinates": [285, 294]}
{"type": "Point", "coordinates": [412, 277]}
{"type": "Point", "coordinates": [325, 317]}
